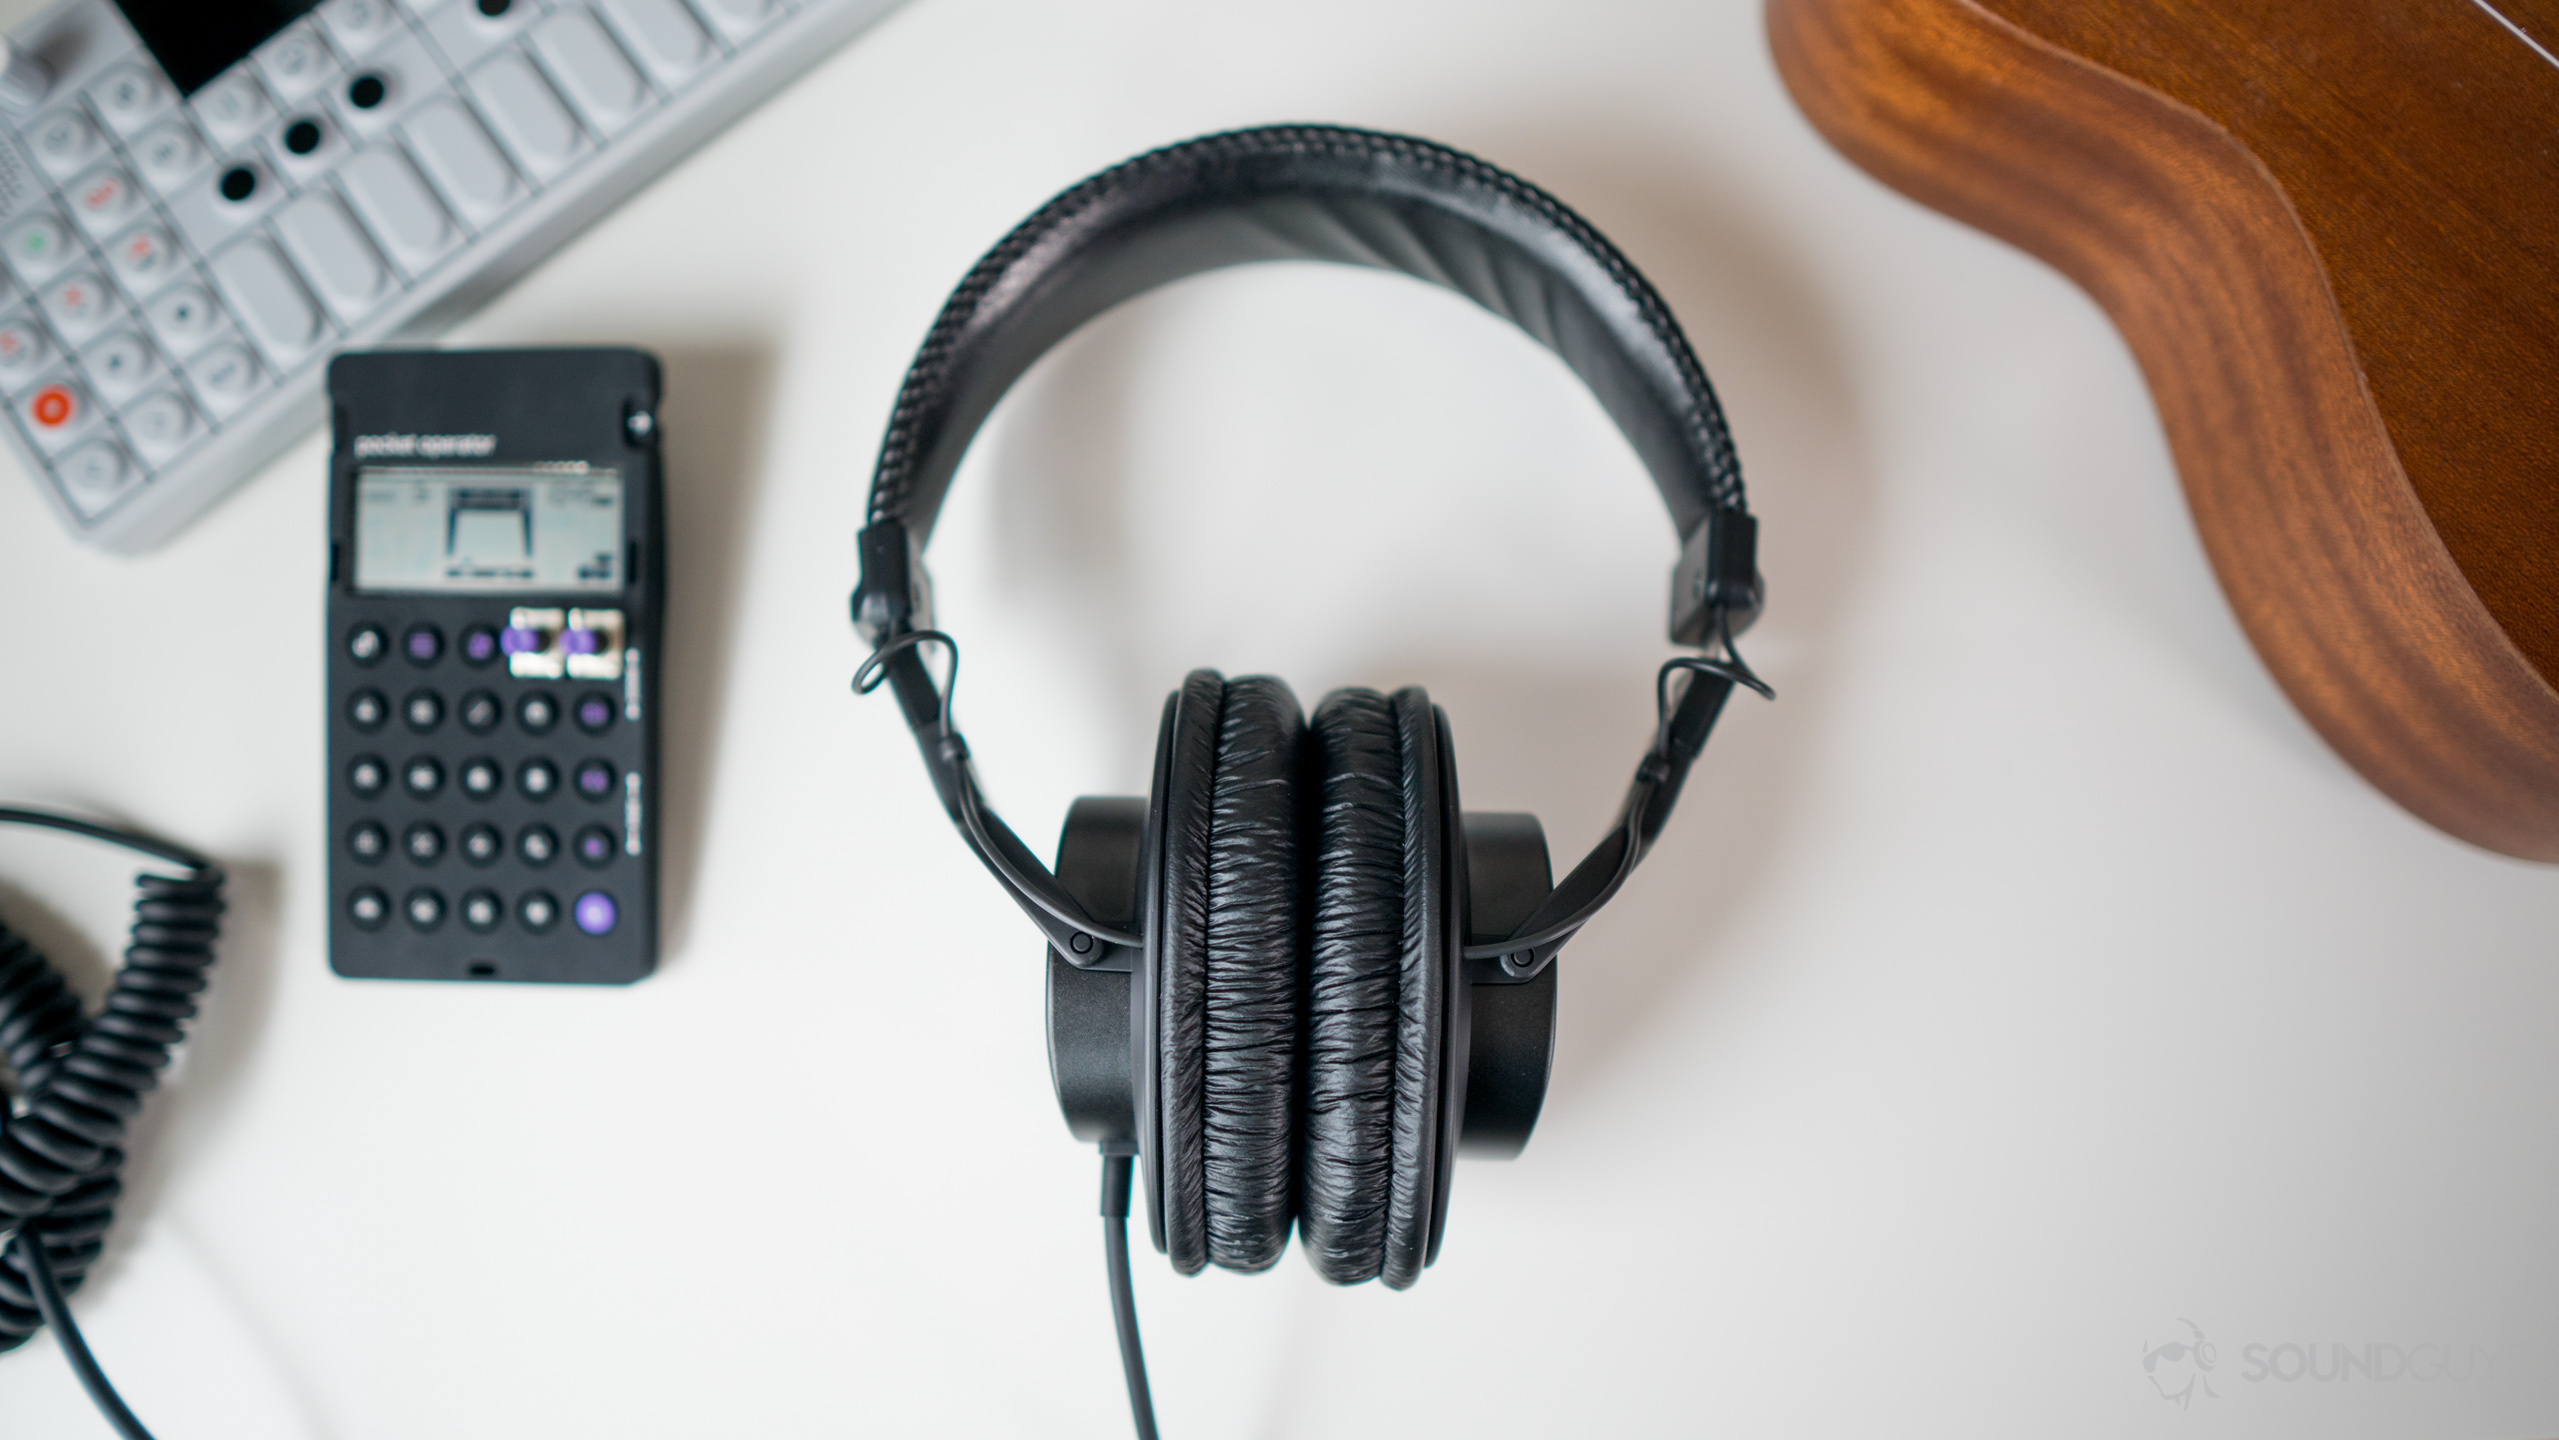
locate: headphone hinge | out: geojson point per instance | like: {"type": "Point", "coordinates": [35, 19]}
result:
{"type": "Point", "coordinates": [1717, 575]}
{"type": "Point", "coordinates": [895, 594]}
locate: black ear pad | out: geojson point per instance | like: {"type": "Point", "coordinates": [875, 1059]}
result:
{"type": "Point", "coordinates": [1227, 1047]}
{"type": "Point", "coordinates": [1424, 967]}
{"type": "Point", "coordinates": [1353, 984]}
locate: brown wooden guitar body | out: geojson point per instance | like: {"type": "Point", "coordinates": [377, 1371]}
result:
{"type": "Point", "coordinates": [2329, 230]}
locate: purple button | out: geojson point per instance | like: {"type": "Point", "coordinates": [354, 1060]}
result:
{"type": "Point", "coordinates": [581, 642]}
{"type": "Point", "coordinates": [424, 643]}
{"type": "Point", "coordinates": [595, 779]}
{"type": "Point", "coordinates": [595, 913]}
{"type": "Point", "coordinates": [595, 712]}
{"type": "Point", "coordinates": [479, 645]}
{"type": "Point", "coordinates": [519, 641]}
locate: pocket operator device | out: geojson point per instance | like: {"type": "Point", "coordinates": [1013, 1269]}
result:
{"type": "Point", "coordinates": [201, 199]}
{"type": "Point", "coordinates": [497, 570]}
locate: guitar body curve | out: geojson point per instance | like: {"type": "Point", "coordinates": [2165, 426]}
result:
{"type": "Point", "coordinates": [2351, 334]}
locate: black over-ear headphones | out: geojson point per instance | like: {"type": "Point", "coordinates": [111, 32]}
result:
{"type": "Point", "coordinates": [1297, 979]}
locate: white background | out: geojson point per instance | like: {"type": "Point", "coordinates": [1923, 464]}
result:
{"type": "Point", "coordinates": [2028, 980]}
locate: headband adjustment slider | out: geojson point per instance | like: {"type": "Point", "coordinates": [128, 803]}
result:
{"type": "Point", "coordinates": [895, 595]}
{"type": "Point", "coordinates": [1715, 590]}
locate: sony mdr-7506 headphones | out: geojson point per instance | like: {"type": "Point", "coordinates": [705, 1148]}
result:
{"type": "Point", "coordinates": [1297, 979]}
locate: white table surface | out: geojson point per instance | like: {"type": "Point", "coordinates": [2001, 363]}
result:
{"type": "Point", "coordinates": [2027, 983]}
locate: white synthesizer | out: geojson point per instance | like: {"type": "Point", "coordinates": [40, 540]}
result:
{"type": "Point", "coordinates": [201, 200]}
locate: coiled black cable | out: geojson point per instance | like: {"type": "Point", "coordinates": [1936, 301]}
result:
{"type": "Point", "coordinates": [81, 1078]}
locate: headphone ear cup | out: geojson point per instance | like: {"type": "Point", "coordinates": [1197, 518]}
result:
{"type": "Point", "coordinates": [1424, 983]}
{"type": "Point", "coordinates": [1254, 970]}
{"type": "Point", "coordinates": [1226, 1040]}
{"type": "Point", "coordinates": [1178, 1003]}
{"type": "Point", "coordinates": [1355, 954]}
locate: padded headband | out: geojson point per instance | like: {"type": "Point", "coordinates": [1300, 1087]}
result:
{"type": "Point", "coordinates": [1311, 192]}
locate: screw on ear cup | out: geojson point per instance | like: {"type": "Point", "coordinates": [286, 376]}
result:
{"type": "Point", "coordinates": [1424, 983]}
{"type": "Point", "coordinates": [1230, 976]}
{"type": "Point", "coordinates": [1353, 985]}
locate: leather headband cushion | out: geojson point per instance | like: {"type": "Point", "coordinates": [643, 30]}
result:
{"type": "Point", "coordinates": [1355, 957]}
{"type": "Point", "coordinates": [1423, 965]}
{"type": "Point", "coordinates": [1181, 968]}
{"type": "Point", "coordinates": [1309, 192]}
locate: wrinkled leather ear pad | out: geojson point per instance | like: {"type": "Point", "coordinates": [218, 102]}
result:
{"type": "Point", "coordinates": [1179, 951]}
{"type": "Point", "coordinates": [1424, 966]}
{"type": "Point", "coordinates": [1355, 956]}
{"type": "Point", "coordinates": [1250, 1138]}
{"type": "Point", "coordinates": [1228, 1003]}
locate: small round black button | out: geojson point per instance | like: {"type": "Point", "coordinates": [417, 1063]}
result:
{"type": "Point", "coordinates": [495, 8]}
{"type": "Point", "coordinates": [302, 136]}
{"type": "Point", "coordinates": [537, 779]}
{"type": "Point", "coordinates": [368, 775]}
{"type": "Point", "coordinates": [239, 183]}
{"type": "Point", "coordinates": [595, 780]}
{"type": "Point", "coordinates": [537, 713]}
{"type": "Point", "coordinates": [480, 712]}
{"type": "Point", "coordinates": [481, 844]}
{"type": "Point", "coordinates": [424, 907]}
{"type": "Point", "coordinates": [423, 842]}
{"type": "Point", "coordinates": [423, 776]}
{"type": "Point", "coordinates": [595, 847]}
{"type": "Point", "coordinates": [368, 908]}
{"type": "Point", "coordinates": [481, 778]}
{"type": "Point", "coordinates": [367, 644]}
{"type": "Point", "coordinates": [538, 910]}
{"type": "Point", "coordinates": [479, 645]}
{"type": "Point", "coordinates": [366, 91]}
{"type": "Point", "coordinates": [366, 710]}
{"type": "Point", "coordinates": [595, 713]}
{"type": "Point", "coordinates": [368, 841]}
{"type": "Point", "coordinates": [482, 910]}
{"type": "Point", "coordinates": [424, 710]}
{"type": "Point", "coordinates": [538, 844]}
{"type": "Point", "coordinates": [424, 644]}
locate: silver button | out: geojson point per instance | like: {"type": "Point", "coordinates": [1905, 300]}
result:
{"type": "Point", "coordinates": [143, 258]}
{"type": "Point", "coordinates": [41, 245]}
{"type": "Point", "coordinates": [233, 106]}
{"type": "Point", "coordinates": [103, 199]}
{"type": "Point", "coordinates": [160, 424]}
{"type": "Point", "coordinates": [341, 264]}
{"type": "Point", "coordinates": [527, 115]}
{"type": "Point", "coordinates": [169, 154]}
{"type": "Point", "coordinates": [355, 24]}
{"type": "Point", "coordinates": [591, 69]}
{"type": "Point", "coordinates": [227, 375]}
{"type": "Point", "coordinates": [130, 95]}
{"type": "Point", "coordinates": [295, 62]}
{"type": "Point", "coordinates": [64, 141]}
{"type": "Point", "coordinates": [183, 316]}
{"type": "Point", "coordinates": [738, 19]}
{"type": "Point", "coordinates": [120, 365]}
{"type": "Point", "coordinates": [22, 349]}
{"type": "Point", "coordinates": [269, 299]}
{"type": "Point", "coordinates": [55, 413]}
{"type": "Point", "coordinates": [93, 476]}
{"type": "Point", "coordinates": [397, 204]}
{"type": "Point", "coordinates": [462, 159]}
{"type": "Point", "coordinates": [666, 37]}
{"type": "Point", "coordinates": [79, 304]}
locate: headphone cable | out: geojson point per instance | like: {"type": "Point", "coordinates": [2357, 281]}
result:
{"type": "Point", "coordinates": [66, 1332]}
{"type": "Point", "coordinates": [1115, 1187]}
